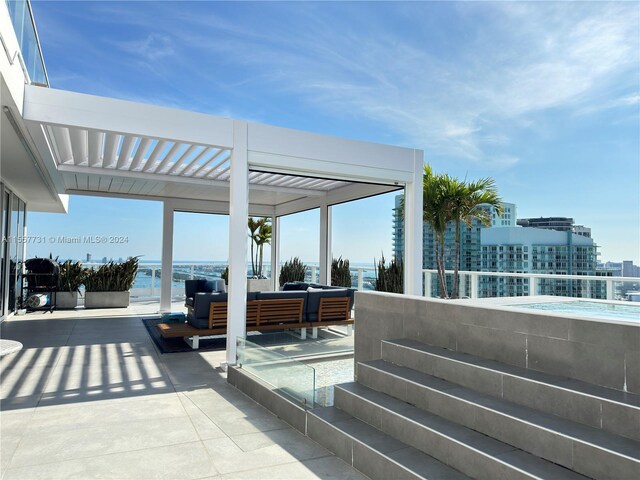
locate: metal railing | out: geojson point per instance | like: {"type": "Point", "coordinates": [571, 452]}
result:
{"type": "Point", "coordinates": [472, 284]}
{"type": "Point", "coordinates": [500, 284]}
{"type": "Point", "coordinates": [147, 283]}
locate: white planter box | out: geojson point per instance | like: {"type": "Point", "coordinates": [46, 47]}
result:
{"type": "Point", "coordinates": [259, 285]}
{"type": "Point", "coordinates": [66, 300]}
{"type": "Point", "coordinates": [106, 299]}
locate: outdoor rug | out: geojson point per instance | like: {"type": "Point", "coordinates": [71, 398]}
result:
{"type": "Point", "coordinates": [218, 342]}
{"type": "Point", "coordinates": [176, 345]}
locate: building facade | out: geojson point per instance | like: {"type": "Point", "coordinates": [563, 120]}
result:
{"type": "Point", "coordinates": [545, 245]}
{"type": "Point", "coordinates": [538, 250]}
{"type": "Point", "coordinates": [560, 224]}
{"type": "Point", "coordinates": [470, 238]}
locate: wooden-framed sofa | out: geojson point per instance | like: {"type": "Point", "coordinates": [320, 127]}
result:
{"type": "Point", "coordinates": [293, 308]}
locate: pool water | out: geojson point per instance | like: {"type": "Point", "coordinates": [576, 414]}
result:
{"type": "Point", "coordinates": [614, 311]}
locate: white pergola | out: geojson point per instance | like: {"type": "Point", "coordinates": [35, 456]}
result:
{"type": "Point", "coordinates": [202, 163]}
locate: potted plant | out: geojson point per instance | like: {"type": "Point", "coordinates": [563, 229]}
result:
{"type": "Point", "coordinates": [292, 271]}
{"type": "Point", "coordinates": [390, 278]}
{"type": "Point", "coordinates": [108, 285]}
{"type": "Point", "coordinates": [70, 278]}
{"type": "Point", "coordinates": [260, 235]}
{"type": "Point", "coordinates": [340, 273]}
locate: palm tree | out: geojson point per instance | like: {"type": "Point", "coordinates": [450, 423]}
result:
{"type": "Point", "coordinates": [254, 226]}
{"type": "Point", "coordinates": [447, 199]}
{"type": "Point", "coordinates": [262, 238]}
{"type": "Point", "coordinates": [436, 214]}
{"type": "Point", "coordinates": [260, 235]}
{"type": "Point", "coordinates": [469, 201]}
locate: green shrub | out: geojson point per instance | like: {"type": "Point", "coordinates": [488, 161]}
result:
{"type": "Point", "coordinates": [292, 271]}
{"type": "Point", "coordinates": [112, 277]}
{"type": "Point", "coordinates": [340, 273]}
{"type": "Point", "coordinates": [390, 278]}
{"type": "Point", "coordinates": [72, 275]}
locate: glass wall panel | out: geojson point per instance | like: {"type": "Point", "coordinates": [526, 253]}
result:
{"type": "Point", "coordinates": [16, 250]}
{"type": "Point", "coordinates": [13, 253]}
{"type": "Point", "coordinates": [20, 249]}
{"type": "Point", "coordinates": [20, 13]}
{"type": "Point", "coordinates": [4, 223]}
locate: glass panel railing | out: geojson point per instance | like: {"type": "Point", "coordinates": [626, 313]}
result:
{"type": "Point", "coordinates": [510, 284]}
{"type": "Point", "coordinates": [288, 376]}
{"type": "Point", "coordinates": [24, 26]}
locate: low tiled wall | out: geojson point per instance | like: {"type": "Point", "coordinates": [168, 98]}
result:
{"type": "Point", "coordinates": [597, 352]}
{"type": "Point", "coordinates": [292, 413]}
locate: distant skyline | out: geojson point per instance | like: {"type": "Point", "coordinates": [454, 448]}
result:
{"type": "Point", "coordinates": [542, 96]}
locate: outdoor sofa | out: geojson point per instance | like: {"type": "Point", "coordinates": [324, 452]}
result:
{"type": "Point", "coordinates": [297, 306]}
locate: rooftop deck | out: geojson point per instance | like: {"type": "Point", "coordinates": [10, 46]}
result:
{"type": "Point", "coordinates": [90, 396]}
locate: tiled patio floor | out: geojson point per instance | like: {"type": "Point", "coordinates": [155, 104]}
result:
{"type": "Point", "coordinates": [90, 397]}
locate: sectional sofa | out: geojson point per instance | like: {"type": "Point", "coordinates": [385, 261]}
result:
{"type": "Point", "coordinates": [200, 296]}
{"type": "Point", "coordinates": [297, 306]}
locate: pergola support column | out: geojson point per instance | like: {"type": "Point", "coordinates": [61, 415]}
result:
{"type": "Point", "coordinates": [325, 245]}
{"type": "Point", "coordinates": [167, 257]}
{"type": "Point", "coordinates": [275, 252]}
{"type": "Point", "coordinates": [413, 229]}
{"type": "Point", "coordinates": [238, 215]}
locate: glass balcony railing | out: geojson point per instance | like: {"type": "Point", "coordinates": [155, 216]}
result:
{"type": "Point", "coordinates": [288, 376]}
{"type": "Point", "coordinates": [504, 284]}
{"type": "Point", "coordinates": [25, 28]}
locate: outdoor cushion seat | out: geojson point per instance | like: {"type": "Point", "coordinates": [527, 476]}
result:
{"type": "Point", "coordinates": [191, 287]}
{"type": "Point", "coordinates": [313, 301]}
{"type": "Point", "coordinates": [283, 295]}
{"type": "Point", "coordinates": [297, 286]}
{"type": "Point", "coordinates": [199, 315]}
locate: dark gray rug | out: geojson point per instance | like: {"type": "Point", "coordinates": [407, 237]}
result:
{"type": "Point", "coordinates": [218, 342]}
{"type": "Point", "coordinates": [176, 345]}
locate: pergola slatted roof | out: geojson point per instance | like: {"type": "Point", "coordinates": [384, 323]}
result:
{"type": "Point", "coordinates": [104, 151]}
{"type": "Point", "coordinates": [108, 150]}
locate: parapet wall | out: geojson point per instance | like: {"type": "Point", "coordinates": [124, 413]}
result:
{"type": "Point", "coordinates": [597, 352]}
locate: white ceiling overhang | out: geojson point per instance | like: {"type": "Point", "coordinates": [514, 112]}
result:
{"type": "Point", "coordinates": [116, 147]}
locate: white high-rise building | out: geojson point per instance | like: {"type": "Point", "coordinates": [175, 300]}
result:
{"type": "Point", "coordinates": [537, 250]}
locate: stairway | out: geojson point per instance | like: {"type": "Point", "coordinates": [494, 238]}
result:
{"type": "Point", "coordinates": [428, 412]}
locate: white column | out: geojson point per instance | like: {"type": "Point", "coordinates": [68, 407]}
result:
{"type": "Point", "coordinates": [167, 256]}
{"type": "Point", "coordinates": [413, 230]}
{"type": "Point", "coordinates": [238, 215]}
{"type": "Point", "coordinates": [325, 245]}
{"type": "Point", "coordinates": [275, 252]}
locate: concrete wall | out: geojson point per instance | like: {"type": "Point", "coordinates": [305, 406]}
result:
{"type": "Point", "coordinates": [597, 352]}
{"type": "Point", "coordinates": [264, 394]}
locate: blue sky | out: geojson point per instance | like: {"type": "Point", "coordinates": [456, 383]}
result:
{"type": "Point", "coordinates": [542, 96]}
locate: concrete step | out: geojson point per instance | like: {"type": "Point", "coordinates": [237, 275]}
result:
{"type": "Point", "coordinates": [372, 452]}
{"type": "Point", "coordinates": [611, 410]}
{"type": "Point", "coordinates": [589, 451]}
{"type": "Point", "coordinates": [463, 449]}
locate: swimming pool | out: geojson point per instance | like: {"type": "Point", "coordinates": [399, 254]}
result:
{"type": "Point", "coordinates": [584, 308]}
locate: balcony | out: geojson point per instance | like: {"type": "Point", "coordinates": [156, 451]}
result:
{"type": "Point", "coordinates": [30, 55]}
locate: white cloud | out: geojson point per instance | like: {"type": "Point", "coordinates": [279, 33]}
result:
{"type": "Point", "coordinates": [151, 49]}
{"type": "Point", "coordinates": [458, 89]}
